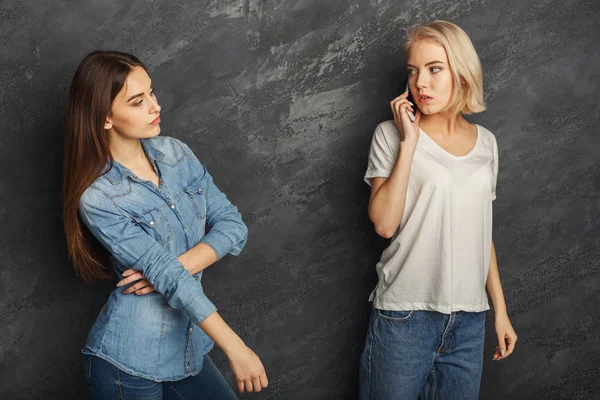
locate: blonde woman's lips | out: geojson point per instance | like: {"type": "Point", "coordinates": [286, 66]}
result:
{"type": "Point", "coordinates": [425, 99]}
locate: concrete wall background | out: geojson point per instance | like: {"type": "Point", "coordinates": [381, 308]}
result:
{"type": "Point", "coordinates": [279, 100]}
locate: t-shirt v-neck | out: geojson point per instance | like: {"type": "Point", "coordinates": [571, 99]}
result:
{"type": "Point", "coordinates": [435, 144]}
{"type": "Point", "coordinates": [439, 257]}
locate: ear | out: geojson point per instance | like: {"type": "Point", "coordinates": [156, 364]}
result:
{"type": "Point", "coordinates": [108, 123]}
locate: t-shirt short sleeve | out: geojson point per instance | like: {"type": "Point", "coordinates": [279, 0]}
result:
{"type": "Point", "coordinates": [381, 157]}
{"type": "Point", "coordinates": [495, 169]}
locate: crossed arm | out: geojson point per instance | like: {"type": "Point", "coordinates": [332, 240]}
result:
{"type": "Point", "coordinates": [196, 259]}
{"type": "Point", "coordinates": [172, 276]}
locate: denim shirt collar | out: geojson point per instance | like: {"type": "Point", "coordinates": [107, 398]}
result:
{"type": "Point", "coordinates": [118, 172]}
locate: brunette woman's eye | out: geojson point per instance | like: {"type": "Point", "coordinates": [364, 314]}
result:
{"type": "Point", "coordinates": [411, 72]}
{"type": "Point", "coordinates": [138, 103]}
{"type": "Point", "coordinates": [152, 92]}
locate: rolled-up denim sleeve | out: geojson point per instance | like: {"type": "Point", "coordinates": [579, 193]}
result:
{"type": "Point", "coordinates": [227, 232]}
{"type": "Point", "coordinates": [134, 248]}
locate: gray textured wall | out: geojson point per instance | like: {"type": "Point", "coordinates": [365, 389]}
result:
{"type": "Point", "coordinates": [279, 99]}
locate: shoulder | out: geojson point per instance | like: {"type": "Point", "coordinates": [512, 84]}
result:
{"type": "Point", "coordinates": [486, 133]}
{"type": "Point", "coordinates": [387, 132]}
{"type": "Point", "coordinates": [388, 129]}
{"type": "Point", "coordinates": [103, 185]}
{"type": "Point", "coordinates": [94, 196]}
{"type": "Point", "coordinates": [487, 137]}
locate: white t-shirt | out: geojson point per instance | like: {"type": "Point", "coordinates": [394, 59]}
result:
{"type": "Point", "coordinates": [439, 257]}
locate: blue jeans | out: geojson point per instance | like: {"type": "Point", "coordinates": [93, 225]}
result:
{"type": "Point", "coordinates": [422, 353]}
{"type": "Point", "coordinates": [107, 382]}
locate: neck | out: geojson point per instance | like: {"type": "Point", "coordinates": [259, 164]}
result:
{"type": "Point", "coordinates": [444, 123]}
{"type": "Point", "coordinates": [126, 151]}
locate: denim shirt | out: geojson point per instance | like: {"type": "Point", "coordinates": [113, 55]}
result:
{"type": "Point", "coordinates": [145, 227]}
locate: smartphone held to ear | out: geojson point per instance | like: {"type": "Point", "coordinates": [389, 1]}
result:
{"type": "Point", "coordinates": [409, 98]}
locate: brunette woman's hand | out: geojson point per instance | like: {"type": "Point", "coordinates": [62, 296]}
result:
{"type": "Point", "coordinates": [408, 129]}
{"type": "Point", "coordinates": [507, 338]}
{"type": "Point", "coordinates": [139, 288]}
{"type": "Point", "coordinates": [247, 369]}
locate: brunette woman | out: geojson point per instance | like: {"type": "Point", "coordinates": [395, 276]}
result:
{"type": "Point", "coordinates": [141, 207]}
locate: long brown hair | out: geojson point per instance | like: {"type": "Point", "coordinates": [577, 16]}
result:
{"type": "Point", "coordinates": [97, 81]}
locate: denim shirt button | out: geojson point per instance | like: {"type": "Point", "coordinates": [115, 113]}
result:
{"type": "Point", "coordinates": [191, 329]}
{"type": "Point", "coordinates": [152, 223]}
{"type": "Point", "coordinates": [172, 205]}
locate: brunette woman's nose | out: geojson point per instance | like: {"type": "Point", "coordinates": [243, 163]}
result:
{"type": "Point", "coordinates": [155, 107]}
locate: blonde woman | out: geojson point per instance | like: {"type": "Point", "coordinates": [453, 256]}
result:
{"type": "Point", "coordinates": [432, 182]}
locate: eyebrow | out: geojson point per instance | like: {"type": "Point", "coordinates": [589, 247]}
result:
{"type": "Point", "coordinates": [431, 62]}
{"type": "Point", "coordinates": [137, 95]}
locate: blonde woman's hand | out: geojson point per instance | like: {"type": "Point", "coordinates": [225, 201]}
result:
{"type": "Point", "coordinates": [248, 370]}
{"type": "Point", "coordinates": [507, 338]}
{"type": "Point", "coordinates": [143, 286]}
{"type": "Point", "coordinates": [408, 129]}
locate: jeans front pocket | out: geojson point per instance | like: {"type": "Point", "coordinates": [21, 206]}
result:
{"type": "Point", "coordinates": [395, 316]}
{"type": "Point", "coordinates": [155, 223]}
{"type": "Point", "coordinates": [197, 196]}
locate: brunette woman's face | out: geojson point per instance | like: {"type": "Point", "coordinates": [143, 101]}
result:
{"type": "Point", "coordinates": [429, 78]}
{"type": "Point", "coordinates": [135, 112]}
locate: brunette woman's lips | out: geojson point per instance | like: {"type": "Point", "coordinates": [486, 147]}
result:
{"type": "Point", "coordinates": [156, 121]}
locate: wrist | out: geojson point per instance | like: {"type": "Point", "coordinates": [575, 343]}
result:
{"type": "Point", "coordinates": [408, 144]}
{"type": "Point", "coordinates": [500, 312]}
{"type": "Point", "coordinates": [233, 346]}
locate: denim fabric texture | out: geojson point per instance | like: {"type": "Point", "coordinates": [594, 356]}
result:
{"type": "Point", "coordinates": [107, 382]}
{"type": "Point", "coordinates": [146, 227]}
{"type": "Point", "coordinates": [422, 354]}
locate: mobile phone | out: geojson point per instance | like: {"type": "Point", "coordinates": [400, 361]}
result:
{"type": "Point", "coordinates": [410, 98]}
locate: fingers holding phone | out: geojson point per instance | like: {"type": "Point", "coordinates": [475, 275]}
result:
{"type": "Point", "coordinates": [401, 107]}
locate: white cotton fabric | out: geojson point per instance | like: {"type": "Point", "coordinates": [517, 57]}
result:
{"type": "Point", "coordinates": [439, 257]}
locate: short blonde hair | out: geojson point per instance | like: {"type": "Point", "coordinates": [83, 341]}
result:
{"type": "Point", "coordinates": [463, 60]}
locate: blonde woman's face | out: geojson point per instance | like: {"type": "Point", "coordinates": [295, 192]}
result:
{"type": "Point", "coordinates": [429, 78]}
{"type": "Point", "coordinates": [135, 112]}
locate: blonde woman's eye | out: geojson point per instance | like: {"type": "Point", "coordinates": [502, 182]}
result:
{"type": "Point", "coordinates": [411, 71]}
{"type": "Point", "coordinates": [435, 70]}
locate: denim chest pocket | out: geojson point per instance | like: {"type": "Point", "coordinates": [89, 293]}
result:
{"type": "Point", "coordinates": [395, 316]}
{"type": "Point", "coordinates": [155, 223]}
{"type": "Point", "coordinates": [196, 193]}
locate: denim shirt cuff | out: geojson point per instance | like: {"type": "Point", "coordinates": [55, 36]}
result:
{"type": "Point", "coordinates": [219, 242]}
{"type": "Point", "coordinates": [199, 308]}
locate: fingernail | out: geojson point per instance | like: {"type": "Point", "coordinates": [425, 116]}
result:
{"type": "Point", "coordinates": [118, 284]}
{"type": "Point", "coordinates": [502, 352]}
{"type": "Point", "coordinates": [410, 102]}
